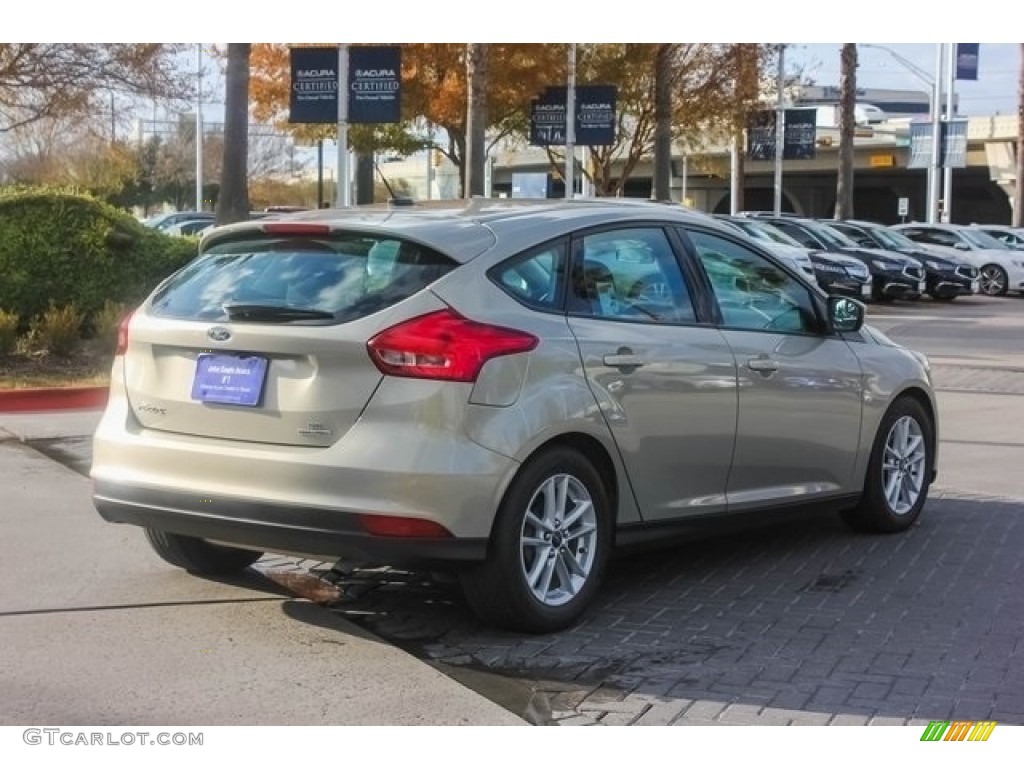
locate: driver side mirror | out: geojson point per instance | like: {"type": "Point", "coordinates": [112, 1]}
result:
{"type": "Point", "coordinates": [845, 315]}
{"type": "Point", "coordinates": [962, 247]}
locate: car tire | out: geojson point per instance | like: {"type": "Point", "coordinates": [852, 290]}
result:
{"type": "Point", "coordinates": [199, 556]}
{"type": "Point", "coordinates": [993, 280]}
{"type": "Point", "coordinates": [549, 546]}
{"type": "Point", "coordinates": [947, 297]}
{"type": "Point", "coordinates": [899, 471]}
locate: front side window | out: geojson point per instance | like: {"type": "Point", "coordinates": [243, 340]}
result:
{"type": "Point", "coordinates": [630, 274]}
{"type": "Point", "coordinates": [934, 237]}
{"type": "Point", "coordinates": [752, 292]}
{"type": "Point", "coordinates": [288, 279]}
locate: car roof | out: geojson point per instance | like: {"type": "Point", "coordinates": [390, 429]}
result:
{"type": "Point", "coordinates": [463, 229]}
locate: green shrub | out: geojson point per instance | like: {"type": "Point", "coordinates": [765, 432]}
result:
{"type": "Point", "coordinates": [8, 332]}
{"type": "Point", "coordinates": [57, 330]}
{"type": "Point", "coordinates": [106, 321]}
{"type": "Point", "coordinates": [68, 248]}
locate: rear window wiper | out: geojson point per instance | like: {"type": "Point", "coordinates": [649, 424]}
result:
{"type": "Point", "coordinates": [272, 312]}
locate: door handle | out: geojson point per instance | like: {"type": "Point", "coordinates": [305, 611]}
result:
{"type": "Point", "coordinates": [763, 365]}
{"type": "Point", "coordinates": [624, 358]}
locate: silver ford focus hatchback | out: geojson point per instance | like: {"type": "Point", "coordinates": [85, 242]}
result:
{"type": "Point", "coordinates": [507, 390]}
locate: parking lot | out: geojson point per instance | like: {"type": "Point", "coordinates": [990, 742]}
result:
{"type": "Point", "coordinates": [799, 622]}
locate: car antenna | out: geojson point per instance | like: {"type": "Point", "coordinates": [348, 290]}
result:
{"type": "Point", "coordinates": [392, 199]}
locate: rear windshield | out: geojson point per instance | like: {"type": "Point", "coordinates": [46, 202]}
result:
{"type": "Point", "coordinates": [320, 280]}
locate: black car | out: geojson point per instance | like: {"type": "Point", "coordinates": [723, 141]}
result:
{"type": "Point", "coordinates": [893, 275]}
{"type": "Point", "coordinates": [841, 274]}
{"type": "Point", "coordinates": [945, 278]}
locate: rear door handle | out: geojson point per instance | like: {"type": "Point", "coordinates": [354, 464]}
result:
{"type": "Point", "coordinates": [762, 365]}
{"type": "Point", "coordinates": [622, 361]}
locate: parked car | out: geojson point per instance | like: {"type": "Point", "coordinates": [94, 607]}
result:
{"type": "Point", "coordinates": [771, 238]}
{"type": "Point", "coordinates": [946, 277]}
{"type": "Point", "coordinates": [1001, 267]}
{"type": "Point", "coordinates": [506, 389]}
{"type": "Point", "coordinates": [190, 227]}
{"type": "Point", "coordinates": [1011, 236]}
{"type": "Point", "coordinates": [841, 274]}
{"type": "Point", "coordinates": [162, 222]}
{"type": "Point", "coordinates": [893, 275]}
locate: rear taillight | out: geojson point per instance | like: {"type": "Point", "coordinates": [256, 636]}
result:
{"type": "Point", "coordinates": [444, 345]}
{"type": "Point", "coordinates": [122, 334]}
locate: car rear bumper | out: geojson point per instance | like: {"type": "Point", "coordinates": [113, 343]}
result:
{"type": "Point", "coordinates": [275, 527]}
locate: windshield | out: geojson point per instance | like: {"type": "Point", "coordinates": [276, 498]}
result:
{"type": "Point", "coordinates": [763, 231]}
{"type": "Point", "coordinates": [891, 239]}
{"type": "Point", "coordinates": [328, 279]}
{"type": "Point", "coordinates": [983, 239]}
{"type": "Point", "coordinates": [834, 236]}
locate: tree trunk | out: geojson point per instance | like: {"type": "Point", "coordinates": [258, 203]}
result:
{"type": "Point", "coordinates": [1018, 192]}
{"type": "Point", "coordinates": [663, 122]}
{"type": "Point", "coordinates": [476, 118]}
{"type": "Point", "coordinates": [233, 201]}
{"type": "Point", "coordinates": [740, 169]}
{"type": "Point", "coordinates": [364, 178]}
{"type": "Point", "coordinates": [847, 122]}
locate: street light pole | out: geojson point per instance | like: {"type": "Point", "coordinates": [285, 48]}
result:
{"type": "Point", "coordinates": [780, 129]}
{"type": "Point", "coordinates": [343, 196]}
{"type": "Point", "coordinates": [947, 171]}
{"type": "Point", "coordinates": [199, 127]}
{"type": "Point", "coordinates": [570, 126]}
{"type": "Point", "coordinates": [935, 108]}
{"type": "Point", "coordinates": [935, 162]}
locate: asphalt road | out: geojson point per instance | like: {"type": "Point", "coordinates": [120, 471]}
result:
{"type": "Point", "coordinates": [803, 622]}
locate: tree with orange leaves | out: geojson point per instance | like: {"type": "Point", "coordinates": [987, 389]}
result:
{"type": "Point", "coordinates": [434, 93]}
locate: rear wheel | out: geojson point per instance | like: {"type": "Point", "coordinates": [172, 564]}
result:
{"type": "Point", "coordinates": [198, 555]}
{"type": "Point", "coordinates": [993, 280]}
{"type": "Point", "coordinates": [549, 547]}
{"type": "Point", "coordinates": [899, 471]}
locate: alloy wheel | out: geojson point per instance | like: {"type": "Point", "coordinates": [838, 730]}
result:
{"type": "Point", "coordinates": [558, 540]}
{"type": "Point", "coordinates": [903, 465]}
{"type": "Point", "coordinates": [993, 280]}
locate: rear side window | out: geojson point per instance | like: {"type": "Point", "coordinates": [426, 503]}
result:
{"type": "Point", "coordinates": [330, 279]}
{"type": "Point", "coordinates": [535, 277]}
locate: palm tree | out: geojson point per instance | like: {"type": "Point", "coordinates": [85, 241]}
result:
{"type": "Point", "coordinates": [1018, 193]}
{"type": "Point", "coordinates": [847, 122]}
{"type": "Point", "coordinates": [662, 121]}
{"type": "Point", "coordinates": [476, 118]}
{"type": "Point", "coordinates": [233, 201]}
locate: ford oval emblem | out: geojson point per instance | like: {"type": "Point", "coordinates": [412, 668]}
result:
{"type": "Point", "coordinates": [219, 333]}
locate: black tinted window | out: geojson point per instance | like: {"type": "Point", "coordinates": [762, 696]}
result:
{"type": "Point", "coordinates": [343, 277]}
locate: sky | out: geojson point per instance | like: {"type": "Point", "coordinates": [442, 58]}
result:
{"type": "Point", "coordinates": [995, 91]}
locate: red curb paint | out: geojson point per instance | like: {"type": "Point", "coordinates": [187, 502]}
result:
{"type": "Point", "coordinates": [52, 398]}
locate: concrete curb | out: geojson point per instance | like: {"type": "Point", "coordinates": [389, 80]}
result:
{"type": "Point", "coordinates": [52, 398]}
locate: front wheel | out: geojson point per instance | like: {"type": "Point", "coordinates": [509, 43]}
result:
{"type": "Point", "coordinates": [899, 471]}
{"type": "Point", "coordinates": [993, 280]}
{"type": "Point", "coordinates": [198, 555]}
{"type": "Point", "coordinates": [549, 547]}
